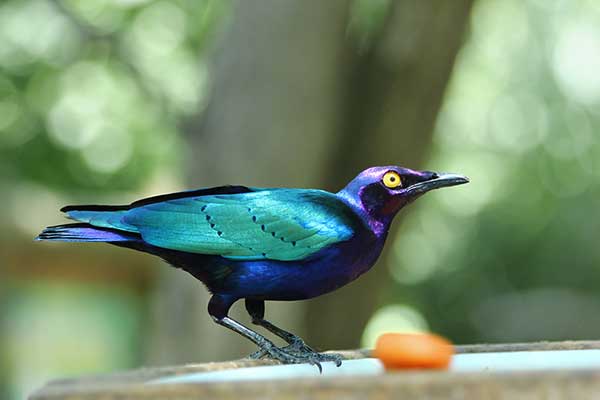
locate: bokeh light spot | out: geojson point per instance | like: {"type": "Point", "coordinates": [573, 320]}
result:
{"type": "Point", "coordinates": [393, 318]}
{"type": "Point", "coordinates": [110, 150]}
{"type": "Point", "coordinates": [31, 30]}
{"type": "Point", "coordinates": [158, 29]}
{"type": "Point", "coordinates": [576, 62]}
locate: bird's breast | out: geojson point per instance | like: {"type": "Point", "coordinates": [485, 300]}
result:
{"type": "Point", "coordinates": [327, 270]}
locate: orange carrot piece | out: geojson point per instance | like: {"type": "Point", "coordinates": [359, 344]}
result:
{"type": "Point", "coordinates": [413, 351]}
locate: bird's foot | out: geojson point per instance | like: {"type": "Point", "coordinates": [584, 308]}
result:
{"type": "Point", "coordinates": [297, 352]}
{"type": "Point", "coordinates": [300, 348]}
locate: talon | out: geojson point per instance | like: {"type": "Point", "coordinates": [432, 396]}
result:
{"type": "Point", "coordinates": [318, 365]}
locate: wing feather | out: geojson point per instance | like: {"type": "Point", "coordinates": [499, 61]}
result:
{"type": "Point", "coordinates": [280, 224]}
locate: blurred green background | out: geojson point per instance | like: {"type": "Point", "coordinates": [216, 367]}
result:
{"type": "Point", "coordinates": [106, 101]}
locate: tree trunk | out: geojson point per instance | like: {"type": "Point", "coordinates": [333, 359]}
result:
{"type": "Point", "coordinates": [389, 119]}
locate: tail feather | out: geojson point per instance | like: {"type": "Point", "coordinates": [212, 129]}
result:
{"type": "Point", "coordinates": [102, 218]}
{"type": "Point", "coordinates": [84, 233]}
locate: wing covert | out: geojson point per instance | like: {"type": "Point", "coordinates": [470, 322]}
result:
{"type": "Point", "coordinates": [279, 224]}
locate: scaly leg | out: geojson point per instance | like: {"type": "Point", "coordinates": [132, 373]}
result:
{"type": "Point", "coordinates": [256, 309]}
{"type": "Point", "coordinates": [218, 308]}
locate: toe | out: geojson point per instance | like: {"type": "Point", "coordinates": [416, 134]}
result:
{"type": "Point", "coordinates": [257, 355]}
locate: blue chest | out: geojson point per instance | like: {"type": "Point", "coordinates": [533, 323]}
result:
{"type": "Point", "coordinates": [327, 270]}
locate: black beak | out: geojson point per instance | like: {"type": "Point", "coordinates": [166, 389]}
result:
{"type": "Point", "coordinates": [439, 181]}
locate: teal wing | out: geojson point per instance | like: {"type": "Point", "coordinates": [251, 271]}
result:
{"type": "Point", "coordinates": [277, 224]}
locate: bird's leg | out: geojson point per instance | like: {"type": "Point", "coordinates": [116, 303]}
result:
{"type": "Point", "coordinates": [218, 308]}
{"type": "Point", "coordinates": [256, 309]}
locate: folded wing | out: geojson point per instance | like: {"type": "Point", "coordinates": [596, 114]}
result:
{"type": "Point", "coordinates": [278, 224]}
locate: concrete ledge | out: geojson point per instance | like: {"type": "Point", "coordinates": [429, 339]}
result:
{"type": "Point", "coordinates": [564, 384]}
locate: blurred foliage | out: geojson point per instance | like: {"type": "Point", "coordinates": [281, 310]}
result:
{"type": "Point", "coordinates": [96, 88]}
{"type": "Point", "coordinates": [513, 256]}
{"type": "Point", "coordinates": [51, 335]}
{"type": "Point", "coordinates": [92, 95]}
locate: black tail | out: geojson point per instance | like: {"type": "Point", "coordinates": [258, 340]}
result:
{"type": "Point", "coordinates": [83, 232]}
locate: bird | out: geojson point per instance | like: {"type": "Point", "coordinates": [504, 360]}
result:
{"type": "Point", "coordinates": [261, 244]}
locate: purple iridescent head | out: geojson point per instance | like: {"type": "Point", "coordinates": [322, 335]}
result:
{"type": "Point", "coordinates": [382, 191]}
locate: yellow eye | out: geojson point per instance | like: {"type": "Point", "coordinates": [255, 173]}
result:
{"type": "Point", "coordinates": [392, 180]}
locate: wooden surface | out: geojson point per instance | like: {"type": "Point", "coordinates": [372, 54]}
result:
{"type": "Point", "coordinates": [566, 384]}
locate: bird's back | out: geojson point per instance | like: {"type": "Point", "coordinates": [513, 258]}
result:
{"type": "Point", "coordinates": [241, 223]}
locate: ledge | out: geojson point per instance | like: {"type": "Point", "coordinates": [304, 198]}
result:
{"type": "Point", "coordinates": [563, 384]}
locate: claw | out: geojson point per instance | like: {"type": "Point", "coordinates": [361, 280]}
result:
{"type": "Point", "coordinates": [318, 365]}
{"type": "Point", "coordinates": [297, 353]}
{"type": "Point", "coordinates": [337, 361]}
